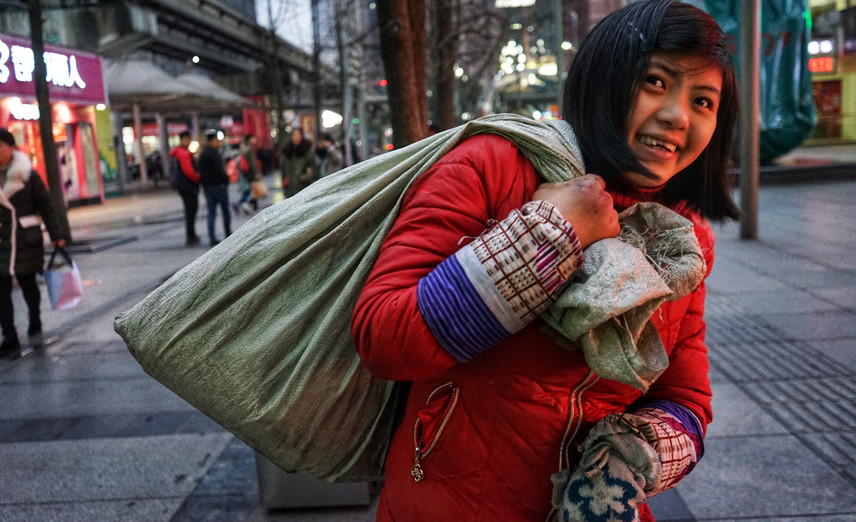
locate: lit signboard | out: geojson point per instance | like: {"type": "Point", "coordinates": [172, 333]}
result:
{"type": "Point", "coordinates": [823, 55]}
{"type": "Point", "coordinates": [821, 64]}
{"type": "Point", "coordinates": [72, 76]}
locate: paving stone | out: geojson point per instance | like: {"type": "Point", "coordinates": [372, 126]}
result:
{"type": "Point", "coordinates": [79, 398]}
{"type": "Point", "coordinates": [71, 366]}
{"type": "Point", "coordinates": [769, 477]}
{"type": "Point", "coordinates": [784, 301]}
{"type": "Point", "coordinates": [735, 414]}
{"type": "Point", "coordinates": [814, 326]}
{"type": "Point", "coordinates": [842, 351]}
{"type": "Point", "coordinates": [96, 511]}
{"type": "Point", "coordinates": [736, 279]}
{"type": "Point", "coordinates": [668, 506]}
{"type": "Point", "coordinates": [165, 467]}
{"type": "Point", "coordinates": [844, 296]}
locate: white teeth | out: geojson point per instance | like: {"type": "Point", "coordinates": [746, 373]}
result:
{"type": "Point", "coordinates": [654, 142]}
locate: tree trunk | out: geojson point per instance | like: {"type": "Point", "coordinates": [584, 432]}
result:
{"type": "Point", "coordinates": [447, 49]}
{"type": "Point", "coordinates": [275, 81]}
{"type": "Point", "coordinates": [402, 36]}
{"type": "Point", "coordinates": [419, 30]}
{"type": "Point", "coordinates": [46, 123]}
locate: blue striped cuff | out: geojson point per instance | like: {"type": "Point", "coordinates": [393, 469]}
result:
{"type": "Point", "coordinates": [455, 312]}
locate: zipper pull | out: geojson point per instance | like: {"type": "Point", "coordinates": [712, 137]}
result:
{"type": "Point", "coordinates": [416, 470]}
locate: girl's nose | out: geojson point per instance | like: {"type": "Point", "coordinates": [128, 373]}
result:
{"type": "Point", "coordinates": [675, 113]}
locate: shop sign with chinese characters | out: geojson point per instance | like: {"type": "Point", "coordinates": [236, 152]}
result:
{"type": "Point", "coordinates": [72, 76]}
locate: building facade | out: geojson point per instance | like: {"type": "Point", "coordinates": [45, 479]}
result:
{"type": "Point", "coordinates": [78, 110]}
{"type": "Point", "coordinates": [832, 50]}
{"type": "Point", "coordinates": [217, 40]}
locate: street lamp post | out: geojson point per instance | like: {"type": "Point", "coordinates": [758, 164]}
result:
{"type": "Point", "coordinates": [750, 96]}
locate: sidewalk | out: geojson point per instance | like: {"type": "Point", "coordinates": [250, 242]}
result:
{"type": "Point", "coordinates": [86, 435]}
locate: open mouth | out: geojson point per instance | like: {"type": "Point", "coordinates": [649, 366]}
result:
{"type": "Point", "coordinates": [654, 142]}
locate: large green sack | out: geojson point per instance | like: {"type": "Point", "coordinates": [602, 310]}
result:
{"type": "Point", "coordinates": [256, 332]}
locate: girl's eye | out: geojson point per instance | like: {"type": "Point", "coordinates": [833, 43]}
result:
{"type": "Point", "coordinates": [706, 103]}
{"type": "Point", "coordinates": [656, 81]}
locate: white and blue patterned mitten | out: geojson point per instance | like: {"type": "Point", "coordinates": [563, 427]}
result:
{"type": "Point", "coordinates": [627, 457]}
{"type": "Point", "coordinates": [617, 468]}
{"type": "Point", "coordinates": [602, 494]}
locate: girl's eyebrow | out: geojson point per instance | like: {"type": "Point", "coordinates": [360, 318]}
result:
{"type": "Point", "coordinates": [709, 88]}
{"type": "Point", "coordinates": [663, 64]}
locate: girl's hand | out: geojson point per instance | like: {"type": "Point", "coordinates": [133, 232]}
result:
{"type": "Point", "coordinates": [59, 243]}
{"type": "Point", "coordinates": [585, 204]}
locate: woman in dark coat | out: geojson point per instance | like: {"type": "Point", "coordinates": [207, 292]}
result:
{"type": "Point", "coordinates": [21, 244]}
{"type": "Point", "coordinates": [298, 163]}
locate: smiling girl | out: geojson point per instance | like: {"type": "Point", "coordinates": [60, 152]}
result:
{"type": "Point", "coordinates": [498, 405]}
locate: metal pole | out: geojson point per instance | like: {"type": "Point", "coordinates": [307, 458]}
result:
{"type": "Point", "coordinates": [163, 147]}
{"type": "Point", "coordinates": [560, 62]}
{"type": "Point", "coordinates": [361, 92]}
{"type": "Point", "coordinates": [138, 146]}
{"type": "Point", "coordinates": [316, 66]}
{"type": "Point", "coordinates": [750, 97]}
{"type": "Point", "coordinates": [121, 156]}
{"type": "Point", "coordinates": [342, 11]}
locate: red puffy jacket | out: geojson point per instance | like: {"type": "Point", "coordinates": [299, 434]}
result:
{"type": "Point", "coordinates": [495, 428]}
{"type": "Point", "coordinates": [185, 160]}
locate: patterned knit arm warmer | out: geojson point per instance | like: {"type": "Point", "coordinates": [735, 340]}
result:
{"type": "Point", "coordinates": [676, 435]}
{"type": "Point", "coordinates": [499, 283]}
{"type": "Point", "coordinates": [627, 457]}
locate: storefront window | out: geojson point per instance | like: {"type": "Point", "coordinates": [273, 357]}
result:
{"type": "Point", "coordinates": [827, 99]}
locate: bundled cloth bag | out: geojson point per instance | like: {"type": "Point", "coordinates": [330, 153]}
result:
{"type": "Point", "coordinates": [256, 332]}
{"type": "Point", "coordinates": [65, 286]}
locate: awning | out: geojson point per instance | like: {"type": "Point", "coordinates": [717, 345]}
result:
{"type": "Point", "coordinates": [142, 83]}
{"type": "Point", "coordinates": [201, 83]}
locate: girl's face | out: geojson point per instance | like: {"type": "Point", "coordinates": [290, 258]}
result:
{"type": "Point", "coordinates": [296, 137]}
{"type": "Point", "coordinates": [674, 117]}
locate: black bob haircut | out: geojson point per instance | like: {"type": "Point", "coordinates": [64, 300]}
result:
{"type": "Point", "coordinates": [604, 81]}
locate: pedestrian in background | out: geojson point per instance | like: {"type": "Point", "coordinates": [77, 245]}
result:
{"type": "Point", "coordinates": [503, 422]}
{"type": "Point", "coordinates": [186, 182]}
{"type": "Point", "coordinates": [25, 205]}
{"type": "Point", "coordinates": [298, 163]}
{"type": "Point", "coordinates": [327, 155]}
{"type": "Point", "coordinates": [248, 167]}
{"type": "Point", "coordinates": [215, 184]}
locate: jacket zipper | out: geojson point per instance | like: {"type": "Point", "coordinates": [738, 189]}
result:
{"type": "Point", "coordinates": [574, 421]}
{"type": "Point", "coordinates": [420, 446]}
{"type": "Point", "coordinates": [575, 418]}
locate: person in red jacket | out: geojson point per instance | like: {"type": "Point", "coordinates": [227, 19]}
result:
{"type": "Point", "coordinates": [187, 185]}
{"type": "Point", "coordinates": [502, 421]}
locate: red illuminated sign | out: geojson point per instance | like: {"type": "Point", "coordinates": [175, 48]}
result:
{"type": "Point", "coordinates": [821, 64]}
{"type": "Point", "coordinates": [72, 76]}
